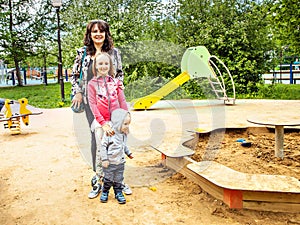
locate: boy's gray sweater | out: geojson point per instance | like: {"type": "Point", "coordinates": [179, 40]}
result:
{"type": "Point", "coordinates": [114, 148]}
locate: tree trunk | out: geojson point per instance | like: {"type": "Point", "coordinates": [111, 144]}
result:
{"type": "Point", "coordinates": [20, 82]}
{"type": "Point", "coordinates": [45, 69]}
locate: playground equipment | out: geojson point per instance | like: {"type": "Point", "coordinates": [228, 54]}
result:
{"type": "Point", "coordinates": [13, 112]}
{"type": "Point", "coordinates": [196, 63]}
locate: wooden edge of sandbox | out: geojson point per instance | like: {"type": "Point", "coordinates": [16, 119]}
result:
{"type": "Point", "coordinates": [283, 197]}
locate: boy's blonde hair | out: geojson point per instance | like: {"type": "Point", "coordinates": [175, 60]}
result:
{"type": "Point", "coordinates": [111, 66]}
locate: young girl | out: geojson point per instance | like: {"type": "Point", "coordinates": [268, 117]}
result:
{"type": "Point", "coordinates": [113, 150]}
{"type": "Point", "coordinates": [105, 94]}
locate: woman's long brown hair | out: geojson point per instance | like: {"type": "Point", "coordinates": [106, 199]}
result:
{"type": "Point", "coordinates": [88, 42]}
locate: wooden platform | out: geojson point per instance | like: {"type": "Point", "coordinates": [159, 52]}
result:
{"type": "Point", "coordinates": [240, 190]}
{"type": "Point", "coordinates": [179, 152]}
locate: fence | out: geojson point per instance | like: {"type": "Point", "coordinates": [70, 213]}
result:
{"type": "Point", "coordinates": [287, 73]}
{"type": "Point", "coordinates": [31, 76]}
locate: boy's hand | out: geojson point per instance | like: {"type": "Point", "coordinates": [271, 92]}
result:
{"type": "Point", "coordinates": [105, 164]}
{"type": "Point", "coordinates": [131, 156]}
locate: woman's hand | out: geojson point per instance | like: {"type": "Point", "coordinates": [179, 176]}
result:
{"type": "Point", "coordinates": [108, 130]}
{"type": "Point", "coordinates": [77, 99]}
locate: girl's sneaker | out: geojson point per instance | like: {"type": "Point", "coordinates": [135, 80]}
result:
{"type": "Point", "coordinates": [94, 180]}
{"type": "Point", "coordinates": [120, 197]}
{"type": "Point", "coordinates": [126, 189]}
{"type": "Point", "coordinates": [95, 191]}
{"type": "Point", "coordinates": [104, 197]}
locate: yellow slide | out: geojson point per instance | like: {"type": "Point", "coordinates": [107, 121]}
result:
{"type": "Point", "coordinates": [147, 101]}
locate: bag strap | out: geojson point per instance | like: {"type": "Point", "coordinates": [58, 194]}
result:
{"type": "Point", "coordinates": [82, 59]}
{"type": "Point", "coordinates": [116, 57]}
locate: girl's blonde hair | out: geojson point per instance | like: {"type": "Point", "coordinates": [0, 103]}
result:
{"type": "Point", "coordinates": [111, 65]}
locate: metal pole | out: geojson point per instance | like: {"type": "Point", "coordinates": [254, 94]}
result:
{"type": "Point", "coordinates": [281, 66]}
{"type": "Point", "coordinates": [24, 75]}
{"type": "Point", "coordinates": [291, 73]}
{"type": "Point", "coordinates": [13, 78]}
{"type": "Point", "coordinates": [60, 74]}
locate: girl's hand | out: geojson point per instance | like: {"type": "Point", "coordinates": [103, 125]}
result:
{"type": "Point", "coordinates": [105, 163]}
{"type": "Point", "coordinates": [121, 86]}
{"type": "Point", "coordinates": [108, 130]}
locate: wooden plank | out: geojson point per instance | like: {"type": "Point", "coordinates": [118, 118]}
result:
{"type": "Point", "coordinates": [226, 177]}
{"type": "Point", "coordinates": [271, 206]}
{"type": "Point", "coordinates": [181, 151]}
{"type": "Point", "coordinates": [179, 165]}
{"type": "Point", "coordinates": [253, 199]}
{"type": "Point", "coordinates": [264, 196]}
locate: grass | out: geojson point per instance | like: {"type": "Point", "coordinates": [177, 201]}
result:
{"type": "Point", "coordinates": [41, 96]}
{"type": "Point", "coordinates": [49, 96]}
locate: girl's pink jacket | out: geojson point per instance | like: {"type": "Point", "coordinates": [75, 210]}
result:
{"type": "Point", "coordinates": [105, 95]}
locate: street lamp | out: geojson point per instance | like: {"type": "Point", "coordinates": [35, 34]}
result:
{"type": "Point", "coordinates": [57, 4]}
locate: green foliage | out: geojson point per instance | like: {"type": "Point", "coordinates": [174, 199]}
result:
{"type": "Point", "coordinates": [285, 19]}
{"type": "Point", "coordinates": [23, 23]}
{"type": "Point", "coordinates": [274, 91]}
{"type": "Point", "coordinates": [251, 37]}
{"type": "Point", "coordinates": [126, 25]}
{"type": "Point", "coordinates": [41, 96]}
{"type": "Point", "coordinates": [234, 31]}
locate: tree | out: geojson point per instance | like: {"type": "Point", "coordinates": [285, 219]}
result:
{"type": "Point", "coordinates": [127, 26]}
{"type": "Point", "coordinates": [23, 22]}
{"type": "Point", "coordinates": [235, 31]}
{"type": "Point", "coordinates": [285, 17]}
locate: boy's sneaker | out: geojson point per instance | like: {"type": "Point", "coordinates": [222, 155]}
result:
{"type": "Point", "coordinates": [126, 189]}
{"type": "Point", "coordinates": [104, 197]}
{"type": "Point", "coordinates": [95, 191]}
{"type": "Point", "coordinates": [120, 197]}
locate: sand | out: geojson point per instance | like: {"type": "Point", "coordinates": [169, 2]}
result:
{"type": "Point", "coordinates": [45, 179]}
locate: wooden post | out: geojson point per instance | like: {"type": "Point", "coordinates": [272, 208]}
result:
{"type": "Point", "coordinates": [233, 198]}
{"type": "Point", "coordinates": [163, 159]}
{"type": "Point", "coordinates": [279, 141]}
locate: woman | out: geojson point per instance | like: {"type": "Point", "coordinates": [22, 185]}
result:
{"type": "Point", "coordinates": [97, 39]}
